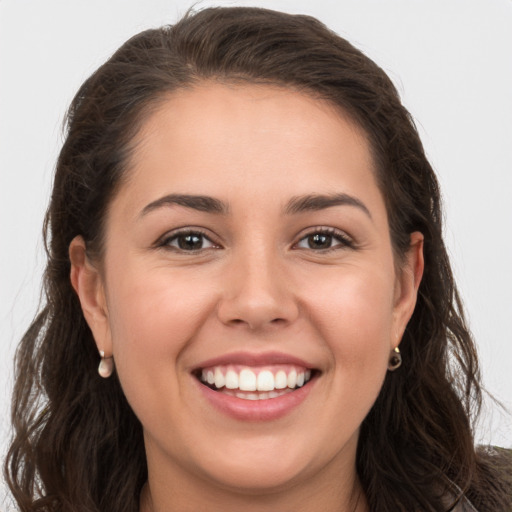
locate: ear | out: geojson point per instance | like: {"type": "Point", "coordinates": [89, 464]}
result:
{"type": "Point", "coordinates": [88, 284]}
{"type": "Point", "coordinates": [406, 287]}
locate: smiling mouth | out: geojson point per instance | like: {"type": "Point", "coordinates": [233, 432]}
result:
{"type": "Point", "coordinates": [255, 383]}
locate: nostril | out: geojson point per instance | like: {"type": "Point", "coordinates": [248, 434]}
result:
{"type": "Point", "coordinates": [255, 324]}
{"type": "Point", "coordinates": [256, 308]}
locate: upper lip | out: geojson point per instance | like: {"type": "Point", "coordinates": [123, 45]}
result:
{"type": "Point", "coordinates": [254, 359]}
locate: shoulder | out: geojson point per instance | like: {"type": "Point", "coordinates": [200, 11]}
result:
{"type": "Point", "coordinates": [464, 505]}
{"type": "Point", "coordinates": [491, 488]}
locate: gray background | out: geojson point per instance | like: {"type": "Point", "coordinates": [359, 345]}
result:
{"type": "Point", "coordinates": [450, 59]}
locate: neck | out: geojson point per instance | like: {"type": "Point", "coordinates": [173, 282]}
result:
{"type": "Point", "coordinates": [357, 503]}
{"type": "Point", "coordinates": [343, 496]}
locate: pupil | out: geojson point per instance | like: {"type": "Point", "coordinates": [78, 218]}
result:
{"type": "Point", "coordinates": [319, 241]}
{"type": "Point", "coordinates": [190, 242]}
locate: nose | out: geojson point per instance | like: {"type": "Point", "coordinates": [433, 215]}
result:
{"type": "Point", "coordinates": [257, 293]}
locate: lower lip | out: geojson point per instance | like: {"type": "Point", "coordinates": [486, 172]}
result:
{"type": "Point", "coordinates": [256, 410]}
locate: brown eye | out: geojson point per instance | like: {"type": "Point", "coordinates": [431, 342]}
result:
{"type": "Point", "coordinates": [319, 241]}
{"type": "Point", "coordinates": [323, 240]}
{"type": "Point", "coordinates": [188, 242]}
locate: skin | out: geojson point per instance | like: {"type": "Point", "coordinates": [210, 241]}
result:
{"type": "Point", "coordinates": [257, 285]}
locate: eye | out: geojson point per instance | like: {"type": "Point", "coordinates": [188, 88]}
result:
{"type": "Point", "coordinates": [325, 239]}
{"type": "Point", "coordinates": [188, 241]}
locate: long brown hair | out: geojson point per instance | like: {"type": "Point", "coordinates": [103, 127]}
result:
{"type": "Point", "coordinates": [78, 445]}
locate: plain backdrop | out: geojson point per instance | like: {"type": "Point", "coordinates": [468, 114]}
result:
{"type": "Point", "coordinates": [450, 59]}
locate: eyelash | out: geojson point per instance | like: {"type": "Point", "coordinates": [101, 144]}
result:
{"type": "Point", "coordinates": [335, 234]}
{"type": "Point", "coordinates": [344, 240]}
{"type": "Point", "coordinates": [166, 241]}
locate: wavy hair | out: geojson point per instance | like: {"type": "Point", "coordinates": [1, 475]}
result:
{"type": "Point", "coordinates": [77, 444]}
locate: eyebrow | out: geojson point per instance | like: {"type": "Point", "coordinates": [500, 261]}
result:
{"type": "Point", "coordinates": [201, 203]}
{"type": "Point", "coordinates": [315, 202]}
{"type": "Point", "coordinates": [299, 204]}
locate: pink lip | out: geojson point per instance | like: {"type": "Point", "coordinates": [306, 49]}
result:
{"type": "Point", "coordinates": [256, 410]}
{"type": "Point", "coordinates": [248, 359]}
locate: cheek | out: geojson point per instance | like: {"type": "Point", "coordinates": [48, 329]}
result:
{"type": "Point", "coordinates": [152, 320]}
{"type": "Point", "coordinates": [351, 313]}
{"type": "Point", "coordinates": [354, 314]}
{"type": "Point", "coordinates": [154, 310]}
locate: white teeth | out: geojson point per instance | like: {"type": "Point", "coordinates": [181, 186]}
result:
{"type": "Point", "coordinates": [220, 380]}
{"type": "Point", "coordinates": [281, 381]}
{"type": "Point", "coordinates": [247, 396]}
{"type": "Point", "coordinates": [265, 381]}
{"type": "Point", "coordinates": [258, 396]}
{"type": "Point", "coordinates": [292, 379]}
{"type": "Point", "coordinates": [231, 379]}
{"type": "Point", "coordinates": [247, 380]}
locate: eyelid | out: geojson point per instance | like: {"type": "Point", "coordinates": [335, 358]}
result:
{"type": "Point", "coordinates": [345, 240]}
{"type": "Point", "coordinates": [164, 241]}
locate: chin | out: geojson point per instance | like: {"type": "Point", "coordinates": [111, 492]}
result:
{"type": "Point", "coordinates": [257, 477]}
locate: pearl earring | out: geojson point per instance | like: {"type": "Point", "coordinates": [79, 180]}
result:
{"type": "Point", "coordinates": [106, 366]}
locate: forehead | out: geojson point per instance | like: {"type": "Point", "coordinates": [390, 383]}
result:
{"type": "Point", "coordinates": [249, 141]}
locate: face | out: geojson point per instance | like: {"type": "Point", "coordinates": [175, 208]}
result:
{"type": "Point", "coordinates": [248, 290]}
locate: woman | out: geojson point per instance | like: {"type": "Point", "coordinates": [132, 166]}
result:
{"type": "Point", "coordinates": [244, 241]}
